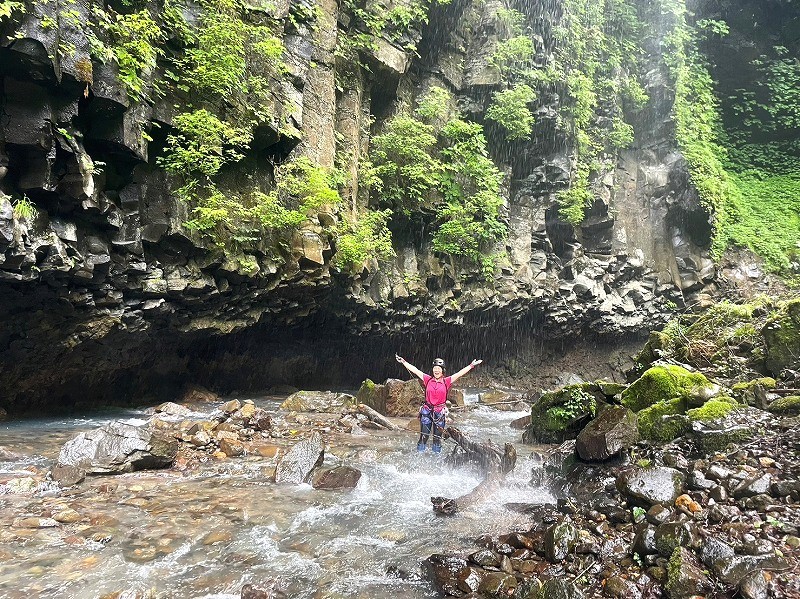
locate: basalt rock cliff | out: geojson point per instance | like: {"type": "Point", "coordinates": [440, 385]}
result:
{"type": "Point", "coordinates": [107, 295]}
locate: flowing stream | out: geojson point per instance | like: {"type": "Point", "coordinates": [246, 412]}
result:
{"type": "Point", "coordinates": [206, 532]}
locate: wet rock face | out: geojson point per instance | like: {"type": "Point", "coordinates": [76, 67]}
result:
{"type": "Point", "coordinates": [107, 262]}
{"type": "Point", "coordinates": [652, 485]}
{"type": "Point", "coordinates": [299, 462]}
{"type": "Point", "coordinates": [612, 431]}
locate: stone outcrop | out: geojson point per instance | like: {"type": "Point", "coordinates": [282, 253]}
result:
{"type": "Point", "coordinates": [105, 279]}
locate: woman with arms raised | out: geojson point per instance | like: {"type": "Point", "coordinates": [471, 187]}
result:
{"type": "Point", "coordinates": [432, 412]}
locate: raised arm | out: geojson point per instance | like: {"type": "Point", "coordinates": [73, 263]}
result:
{"type": "Point", "coordinates": [454, 377]}
{"type": "Point", "coordinates": [410, 367]}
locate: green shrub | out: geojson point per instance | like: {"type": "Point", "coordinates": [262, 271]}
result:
{"type": "Point", "coordinates": [201, 144]}
{"type": "Point", "coordinates": [509, 109]}
{"type": "Point", "coordinates": [405, 169]}
{"type": "Point", "coordinates": [134, 45]}
{"type": "Point", "coordinates": [434, 106]}
{"type": "Point", "coordinates": [470, 218]}
{"type": "Point", "coordinates": [514, 56]}
{"type": "Point", "coordinates": [364, 238]}
{"type": "Point", "coordinates": [24, 209]}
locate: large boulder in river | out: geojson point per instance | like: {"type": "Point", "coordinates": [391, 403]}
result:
{"type": "Point", "coordinates": [399, 398]}
{"type": "Point", "coordinates": [317, 401]}
{"type": "Point", "coordinates": [298, 463]}
{"type": "Point", "coordinates": [119, 447]}
{"type": "Point", "coordinates": [612, 431]}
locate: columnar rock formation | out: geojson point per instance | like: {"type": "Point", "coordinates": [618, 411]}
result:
{"type": "Point", "coordinates": [107, 294]}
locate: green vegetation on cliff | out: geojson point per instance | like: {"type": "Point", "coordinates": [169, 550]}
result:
{"type": "Point", "coordinates": [746, 170]}
{"type": "Point", "coordinates": [447, 173]}
{"type": "Point", "coordinates": [599, 47]}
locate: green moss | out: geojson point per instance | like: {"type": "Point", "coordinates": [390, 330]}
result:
{"type": "Point", "coordinates": [674, 568]}
{"type": "Point", "coordinates": [663, 421]}
{"type": "Point", "coordinates": [713, 409]}
{"type": "Point", "coordinates": [560, 414]}
{"type": "Point", "coordinates": [786, 405]}
{"type": "Point", "coordinates": [663, 383]}
{"type": "Point", "coordinates": [767, 382]}
{"type": "Point", "coordinates": [610, 389]}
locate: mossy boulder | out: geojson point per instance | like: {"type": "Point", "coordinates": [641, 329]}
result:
{"type": "Point", "coordinates": [782, 338]}
{"type": "Point", "coordinates": [561, 414]}
{"type": "Point", "coordinates": [664, 420]}
{"type": "Point", "coordinates": [685, 575]}
{"type": "Point", "coordinates": [667, 382]}
{"type": "Point", "coordinates": [786, 405]}
{"type": "Point", "coordinates": [717, 431]}
{"type": "Point", "coordinates": [713, 409]}
{"type": "Point", "coordinates": [609, 388]}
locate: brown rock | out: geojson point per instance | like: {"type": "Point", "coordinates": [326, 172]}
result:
{"type": "Point", "coordinates": [231, 447]}
{"type": "Point", "coordinates": [341, 477]}
{"type": "Point", "coordinates": [67, 476]}
{"type": "Point", "coordinates": [198, 394]}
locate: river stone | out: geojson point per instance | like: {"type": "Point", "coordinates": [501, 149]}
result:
{"type": "Point", "coordinates": [469, 580]}
{"type": "Point", "coordinates": [556, 588]}
{"type": "Point", "coordinates": [67, 516]}
{"type": "Point", "coordinates": [231, 447]}
{"type": "Point", "coordinates": [172, 409]}
{"type": "Point", "coordinates": [685, 576]}
{"type": "Point", "coordinates": [262, 591]}
{"type": "Point", "coordinates": [731, 570]}
{"type": "Point", "coordinates": [67, 476]}
{"type": "Point", "coordinates": [520, 424]}
{"type": "Point", "coordinates": [485, 557]}
{"type": "Point", "coordinates": [754, 485]}
{"type": "Point", "coordinates": [651, 485]}
{"type": "Point", "coordinates": [298, 463]}
{"type": "Point", "coordinates": [444, 572]}
{"type": "Point", "coordinates": [198, 394]}
{"type": "Point", "coordinates": [497, 584]}
{"type": "Point", "coordinates": [340, 477]}
{"type": "Point", "coordinates": [119, 447]}
{"type": "Point", "coordinates": [612, 431]}
{"type": "Point", "coordinates": [754, 586]}
{"type": "Point", "coordinates": [644, 543]}
{"type": "Point", "coordinates": [317, 401]}
{"type": "Point", "coordinates": [671, 535]}
{"type": "Point", "coordinates": [617, 586]}
{"type": "Point", "coordinates": [559, 540]}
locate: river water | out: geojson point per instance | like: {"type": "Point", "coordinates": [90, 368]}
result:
{"type": "Point", "coordinates": [206, 532]}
